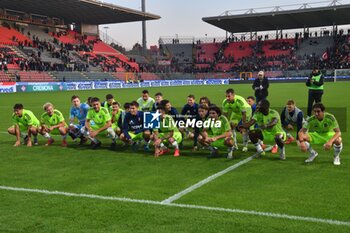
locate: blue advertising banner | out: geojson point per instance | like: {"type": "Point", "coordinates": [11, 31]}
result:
{"type": "Point", "coordinates": [91, 85]}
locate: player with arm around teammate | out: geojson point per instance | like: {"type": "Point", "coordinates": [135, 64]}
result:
{"type": "Point", "coordinates": [322, 128]}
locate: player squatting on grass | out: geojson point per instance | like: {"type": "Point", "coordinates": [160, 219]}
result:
{"type": "Point", "coordinates": [208, 127]}
{"type": "Point", "coordinates": [322, 128]}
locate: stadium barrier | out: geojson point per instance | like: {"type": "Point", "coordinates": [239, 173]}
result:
{"type": "Point", "coordinates": [10, 87]}
{"type": "Point", "coordinates": [92, 85]}
{"type": "Point", "coordinates": [7, 87]}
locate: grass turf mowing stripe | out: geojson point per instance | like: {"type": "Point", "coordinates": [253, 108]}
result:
{"type": "Point", "coordinates": [218, 209]}
{"type": "Point", "coordinates": [207, 180]}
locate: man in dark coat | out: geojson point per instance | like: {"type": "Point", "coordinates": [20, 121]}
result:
{"type": "Point", "coordinates": [260, 86]}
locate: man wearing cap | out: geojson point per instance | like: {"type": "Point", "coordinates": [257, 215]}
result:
{"type": "Point", "coordinates": [260, 86]}
{"type": "Point", "coordinates": [315, 85]}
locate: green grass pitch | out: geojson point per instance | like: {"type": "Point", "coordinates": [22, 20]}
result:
{"type": "Point", "coordinates": [319, 190]}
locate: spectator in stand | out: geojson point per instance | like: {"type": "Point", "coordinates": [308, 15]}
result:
{"type": "Point", "coordinates": [17, 77]}
{"type": "Point", "coordinates": [260, 86]}
{"type": "Point", "coordinates": [315, 85]}
{"type": "Point", "coordinates": [5, 66]}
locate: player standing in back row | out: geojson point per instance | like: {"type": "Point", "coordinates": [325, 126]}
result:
{"type": "Point", "coordinates": [238, 112]}
{"type": "Point", "coordinates": [145, 102]}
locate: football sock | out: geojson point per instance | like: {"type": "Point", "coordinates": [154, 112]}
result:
{"type": "Point", "coordinates": [175, 145]}
{"type": "Point", "coordinates": [258, 147]}
{"type": "Point", "coordinates": [234, 136]}
{"type": "Point", "coordinates": [162, 146]}
{"type": "Point", "coordinates": [282, 150]}
{"type": "Point", "coordinates": [309, 149]}
{"type": "Point", "coordinates": [337, 149]}
{"type": "Point", "coordinates": [245, 139]}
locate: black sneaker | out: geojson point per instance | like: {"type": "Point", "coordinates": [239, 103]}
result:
{"type": "Point", "coordinates": [94, 146]}
{"type": "Point", "coordinates": [213, 154]}
{"type": "Point", "coordinates": [135, 146]}
{"type": "Point", "coordinates": [113, 146]}
{"type": "Point", "coordinates": [72, 135]}
{"type": "Point", "coordinates": [83, 140]}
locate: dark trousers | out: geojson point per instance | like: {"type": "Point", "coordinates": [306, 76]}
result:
{"type": "Point", "coordinates": [314, 97]}
{"type": "Point", "coordinates": [259, 97]}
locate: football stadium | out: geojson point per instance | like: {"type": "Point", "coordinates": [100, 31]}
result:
{"type": "Point", "coordinates": [245, 133]}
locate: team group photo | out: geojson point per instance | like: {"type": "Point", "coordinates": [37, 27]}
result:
{"type": "Point", "coordinates": [174, 116]}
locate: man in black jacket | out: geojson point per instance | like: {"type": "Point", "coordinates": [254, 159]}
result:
{"type": "Point", "coordinates": [261, 85]}
{"type": "Point", "coordinates": [315, 85]}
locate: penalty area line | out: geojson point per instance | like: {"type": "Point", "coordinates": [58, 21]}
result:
{"type": "Point", "coordinates": [184, 206]}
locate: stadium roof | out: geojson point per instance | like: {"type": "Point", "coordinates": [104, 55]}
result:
{"type": "Point", "coordinates": [78, 11]}
{"type": "Point", "coordinates": [288, 19]}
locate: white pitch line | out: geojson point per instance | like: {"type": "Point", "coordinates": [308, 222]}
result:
{"type": "Point", "coordinates": [92, 196]}
{"type": "Point", "coordinates": [185, 206]}
{"type": "Point", "coordinates": [265, 214]}
{"type": "Point", "coordinates": [207, 180]}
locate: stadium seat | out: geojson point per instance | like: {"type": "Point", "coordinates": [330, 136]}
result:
{"type": "Point", "coordinates": [7, 36]}
{"type": "Point", "coordinates": [35, 76]}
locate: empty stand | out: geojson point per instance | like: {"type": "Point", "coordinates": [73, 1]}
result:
{"type": "Point", "coordinates": [5, 77]}
{"type": "Point", "coordinates": [99, 76]}
{"type": "Point", "coordinates": [34, 76]}
{"type": "Point", "coordinates": [68, 37]}
{"type": "Point", "coordinates": [316, 46]}
{"type": "Point", "coordinates": [182, 53]}
{"type": "Point", "coordinates": [149, 76]}
{"type": "Point", "coordinates": [277, 47]}
{"type": "Point", "coordinates": [238, 50]}
{"type": "Point", "coordinates": [68, 76]}
{"type": "Point", "coordinates": [206, 52]}
{"type": "Point", "coordinates": [37, 31]}
{"type": "Point", "coordinates": [11, 36]}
